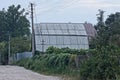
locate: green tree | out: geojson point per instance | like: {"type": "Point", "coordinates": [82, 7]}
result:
{"type": "Point", "coordinates": [20, 44]}
{"type": "Point", "coordinates": [13, 21]}
{"type": "Point", "coordinates": [107, 31]}
{"type": "Point", "coordinates": [113, 28]}
{"type": "Point", "coordinates": [104, 65]}
{"type": "Point", "coordinates": [17, 45]}
{"type": "Point", "coordinates": [101, 38]}
{"type": "Point", "coordinates": [3, 53]}
{"type": "Point", "coordinates": [3, 25]}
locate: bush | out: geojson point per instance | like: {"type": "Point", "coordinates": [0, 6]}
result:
{"type": "Point", "coordinates": [67, 50]}
{"type": "Point", "coordinates": [56, 61]}
{"type": "Point", "coordinates": [102, 66]}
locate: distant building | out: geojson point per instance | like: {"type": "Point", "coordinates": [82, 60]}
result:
{"type": "Point", "coordinates": [90, 30]}
{"type": "Point", "coordinates": [72, 35]}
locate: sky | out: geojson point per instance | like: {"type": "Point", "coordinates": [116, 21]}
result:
{"type": "Point", "coordinates": [64, 11]}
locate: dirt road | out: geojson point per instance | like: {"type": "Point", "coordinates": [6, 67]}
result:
{"type": "Point", "coordinates": [20, 73]}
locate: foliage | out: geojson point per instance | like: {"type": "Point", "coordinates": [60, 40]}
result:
{"type": "Point", "coordinates": [102, 66]}
{"type": "Point", "coordinates": [115, 40]}
{"type": "Point", "coordinates": [13, 22]}
{"type": "Point", "coordinates": [17, 45]}
{"type": "Point", "coordinates": [3, 53]}
{"type": "Point", "coordinates": [55, 63]}
{"type": "Point", "coordinates": [64, 61]}
{"type": "Point", "coordinates": [20, 44]}
{"type": "Point", "coordinates": [107, 31]}
{"type": "Point", "coordinates": [55, 50]}
{"type": "Point", "coordinates": [52, 49]}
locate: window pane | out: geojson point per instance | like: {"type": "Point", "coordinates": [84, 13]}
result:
{"type": "Point", "coordinates": [45, 40]}
{"type": "Point", "coordinates": [52, 40]}
{"type": "Point", "coordinates": [38, 39]}
{"type": "Point", "coordinates": [67, 40]}
{"type": "Point", "coordinates": [74, 40]}
{"type": "Point", "coordinates": [60, 40]}
{"type": "Point", "coordinates": [38, 47]}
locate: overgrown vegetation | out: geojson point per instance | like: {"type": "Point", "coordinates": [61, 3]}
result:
{"type": "Point", "coordinates": [14, 26]}
{"type": "Point", "coordinates": [100, 64]}
{"type": "Point", "coordinates": [57, 61]}
{"type": "Point", "coordinates": [16, 46]}
{"type": "Point", "coordinates": [3, 53]}
{"type": "Point", "coordinates": [105, 64]}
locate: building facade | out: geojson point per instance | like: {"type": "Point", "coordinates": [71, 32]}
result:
{"type": "Point", "coordinates": [61, 35]}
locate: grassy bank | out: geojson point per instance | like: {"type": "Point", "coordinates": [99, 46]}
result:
{"type": "Point", "coordinates": [100, 64]}
{"type": "Point", "coordinates": [52, 64]}
{"type": "Point", "coordinates": [56, 61]}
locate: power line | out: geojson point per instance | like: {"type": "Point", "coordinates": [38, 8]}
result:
{"type": "Point", "coordinates": [70, 3]}
{"type": "Point", "coordinates": [54, 5]}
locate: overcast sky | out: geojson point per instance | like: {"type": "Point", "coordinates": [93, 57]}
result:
{"type": "Point", "coordinates": [76, 11]}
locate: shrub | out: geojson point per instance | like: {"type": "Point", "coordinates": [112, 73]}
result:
{"type": "Point", "coordinates": [102, 66]}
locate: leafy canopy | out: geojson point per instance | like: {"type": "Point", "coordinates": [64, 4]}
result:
{"type": "Point", "coordinates": [13, 22]}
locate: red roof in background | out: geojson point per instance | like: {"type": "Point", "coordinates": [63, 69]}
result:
{"type": "Point", "coordinates": [90, 29]}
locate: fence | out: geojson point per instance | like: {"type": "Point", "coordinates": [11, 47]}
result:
{"type": "Point", "coordinates": [23, 55]}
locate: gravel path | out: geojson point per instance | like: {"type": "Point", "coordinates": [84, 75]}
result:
{"type": "Point", "coordinates": [20, 73]}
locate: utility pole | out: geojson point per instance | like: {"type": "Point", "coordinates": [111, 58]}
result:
{"type": "Point", "coordinates": [33, 32]}
{"type": "Point", "coordinates": [43, 43]}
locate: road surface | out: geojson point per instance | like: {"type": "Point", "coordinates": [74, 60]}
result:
{"type": "Point", "coordinates": [20, 73]}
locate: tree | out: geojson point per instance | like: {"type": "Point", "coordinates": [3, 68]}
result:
{"type": "Point", "coordinates": [17, 45]}
{"type": "Point", "coordinates": [104, 65]}
{"type": "Point", "coordinates": [113, 27]}
{"type": "Point", "coordinates": [13, 21]}
{"type": "Point", "coordinates": [108, 30]}
{"type": "Point", "coordinates": [101, 38]}
{"type": "Point", "coordinates": [20, 44]}
{"type": "Point", "coordinates": [3, 25]}
{"type": "Point", "coordinates": [3, 53]}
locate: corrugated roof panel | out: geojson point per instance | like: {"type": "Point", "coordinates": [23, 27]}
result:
{"type": "Point", "coordinates": [61, 29]}
{"type": "Point", "coordinates": [63, 26]}
{"type": "Point", "coordinates": [50, 26]}
{"type": "Point", "coordinates": [51, 31]}
{"type": "Point", "coordinates": [70, 26]}
{"type": "Point", "coordinates": [44, 31]}
{"type": "Point", "coordinates": [57, 26]}
{"type": "Point", "coordinates": [59, 32]}
{"type": "Point", "coordinates": [80, 26]}
{"type": "Point", "coordinates": [72, 32]}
